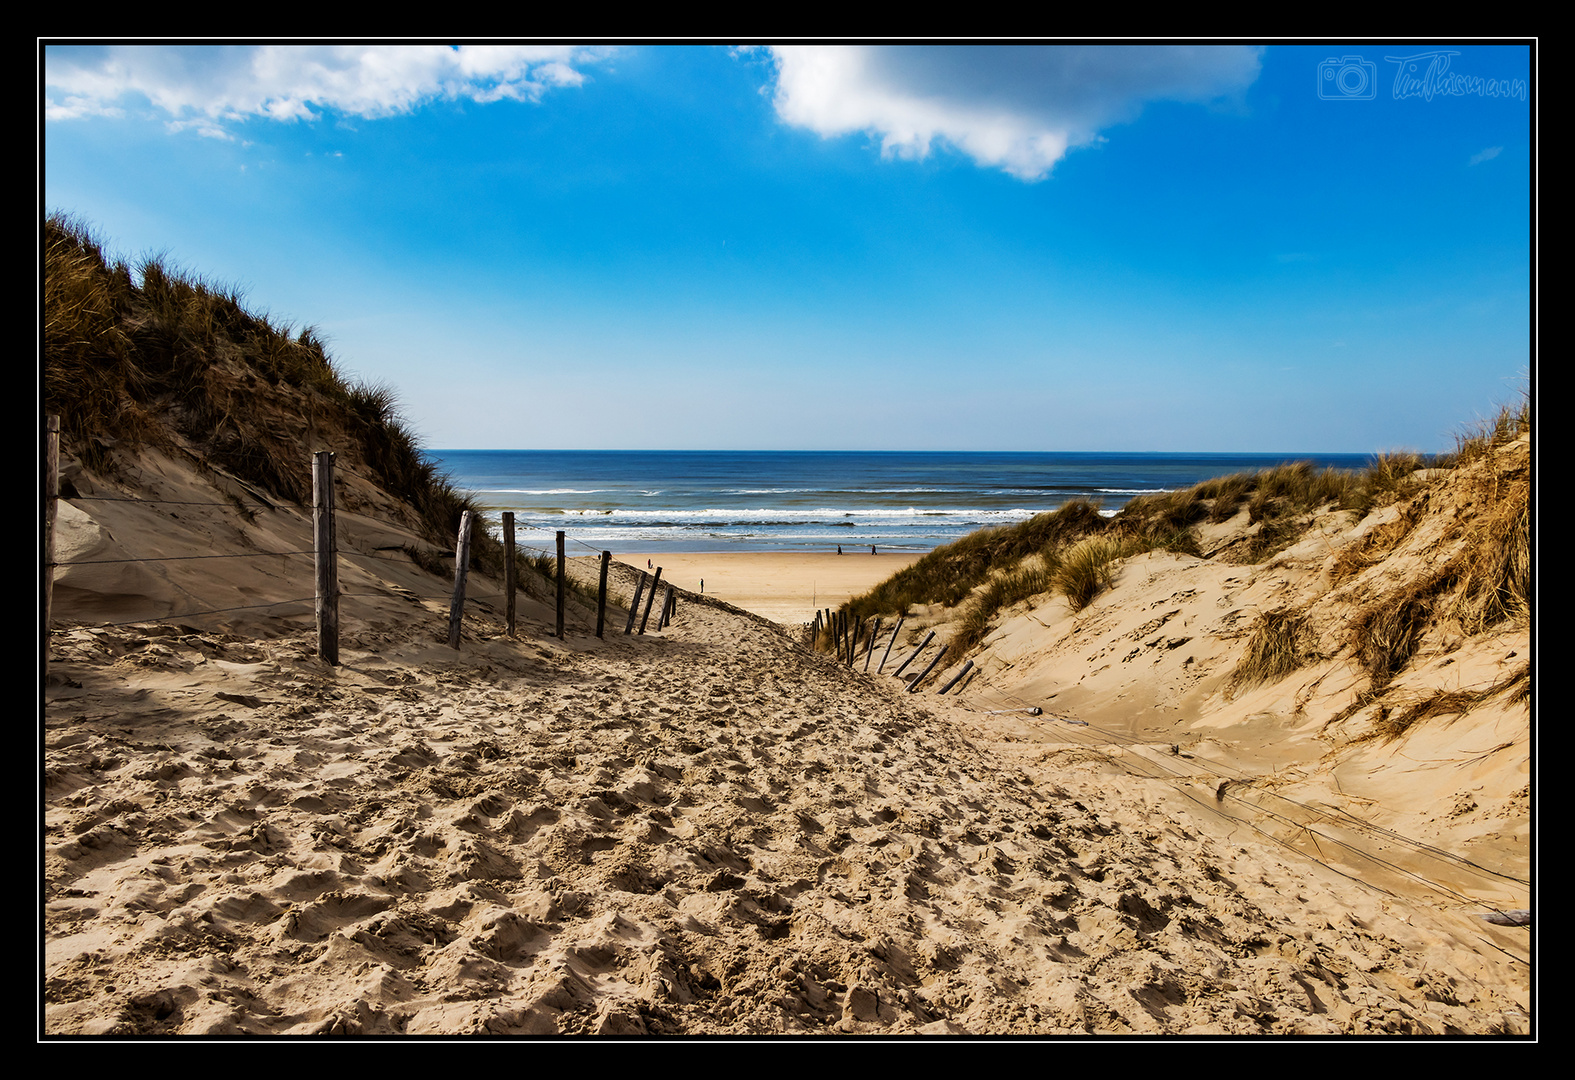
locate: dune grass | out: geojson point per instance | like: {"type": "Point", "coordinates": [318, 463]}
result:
{"type": "Point", "coordinates": [1088, 567]}
{"type": "Point", "coordinates": [1386, 632]}
{"type": "Point", "coordinates": [153, 355]}
{"type": "Point", "coordinates": [1073, 551]}
{"type": "Point", "coordinates": [949, 573]}
{"type": "Point", "coordinates": [1278, 646]}
{"type": "Point", "coordinates": [1034, 576]}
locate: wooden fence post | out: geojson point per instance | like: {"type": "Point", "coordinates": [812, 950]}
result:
{"type": "Point", "coordinates": [870, 652]}
{"type": "Point", "coordinates": [885, 656]}
{"type": "Point", "coordinates": [601, 595]}
{"type": "Point", "coordinates": [913, 688]}
{"type": "Point", "coordinates": [50, 467]}
{"type": "Point", "coordinates": [922, 646]}
{"type": "Point", "coordinates": [650, 599]}
{"type": "Point", "coordinates": [562, 584]}
{"type": "Point", "coordinates": [456, 606]}
{"type": "Point", "coordinates": [508, 568]}
{"type": "Point", "coordinates": [667, 607]}
{"type": "Point", "coordinates": [324, 546]}
{"type": "Point", "coordinates": [634, 606]}
{"type": "Point", "coordinates": [956, 678]}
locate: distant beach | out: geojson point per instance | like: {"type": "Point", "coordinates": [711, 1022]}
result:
{"type": "Point", "coordinates": [896, 501]}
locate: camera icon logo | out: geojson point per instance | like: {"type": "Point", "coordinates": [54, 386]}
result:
{"type": "Point", "coordinates": [1349, 78]}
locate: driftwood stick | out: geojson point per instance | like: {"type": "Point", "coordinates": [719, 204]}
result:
{"type": "Point", "coordinates": [562, 584]}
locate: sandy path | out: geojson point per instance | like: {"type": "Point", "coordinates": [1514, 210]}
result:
{"type": "Point", "coordinates": [787, 587]}
{"type": "Point", "coordinates": [704, 830]}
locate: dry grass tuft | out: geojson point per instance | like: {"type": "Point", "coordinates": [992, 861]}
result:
{"type": "Point", "coordinates": [1278, 646]}
{"type": "Point", "coordinates": [1033, 577]}
{"type": "Point", "coordinates": [1385, 634]}
{"type": "Point", "coordinates": [1088, 568]}
{"type": "Point", "coordinates": [1481, 439]}
{"type": "Point", "coordinates": [1518, 685]}
{"type": "Point", "coordinates": [1494, 568]}
{"type": "Point", "coordinates": [1383, 482]}
{"type": "Point", "coordinates": [1393, 724]}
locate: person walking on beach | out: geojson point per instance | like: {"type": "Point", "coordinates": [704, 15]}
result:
{"type": "Point", "coordinates": [872, 549]}
{"type": "Point", "coordinates": [839, 549]}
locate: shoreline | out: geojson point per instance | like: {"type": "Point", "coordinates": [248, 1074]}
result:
{"type": "Point", "coordinates": [783, 586]}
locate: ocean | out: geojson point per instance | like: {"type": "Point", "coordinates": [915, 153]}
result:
{"type": "Point", "coordinates": [680, 500]}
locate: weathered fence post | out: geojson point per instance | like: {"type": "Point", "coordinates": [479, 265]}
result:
{"type": "Point", "coordinates": [922, 646]}
{"type": "Point", "coordinates": [50, 467]}
{"type": "Point", "coordinates": [667, 607]}
{"type": "Point", "coordinates": [508, 568]}
{"type": "Point", "coordinates": [325, 550]}
{"type": "Point", "coordinates": [456, 607]}
{"type": "Point", "coordinates": [913, 688]}
{"type": "Point", "coordinates": [650, 599]}
{"type": "Point", "coordinates": [634, 605]}
{"type": "Point", "coordinates": [562, 584]}
{"type": "Point", "coordinates": [601, 595]}
{"type": "Point", "coordinates": [885, 656]}
{"type": "Point", "coordinates": [870, 651]}
{"type": "Point", "coordinates": [956, 678]}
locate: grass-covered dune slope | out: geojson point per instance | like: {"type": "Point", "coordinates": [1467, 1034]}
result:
{"type": "Point", "coordinates": [1305, 655]}
{"type": "Point", "coordinates": [1244, 519]}
{"type": "Point", "coordinates": [149, 356]}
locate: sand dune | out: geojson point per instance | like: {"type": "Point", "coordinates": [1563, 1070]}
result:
{"type": "Point", "coordinates": [702, 830]}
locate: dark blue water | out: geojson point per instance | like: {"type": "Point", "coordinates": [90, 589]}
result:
{"type": "Point", "coordinates": [679, 500]}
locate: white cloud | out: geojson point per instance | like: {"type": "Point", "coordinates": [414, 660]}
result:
{"type": "Point", "coordinates": [1017, 108]}
{"type": "Point", "coordinates": [206, 86]}
{"type": "Point", "coordinates": [1486, 155]}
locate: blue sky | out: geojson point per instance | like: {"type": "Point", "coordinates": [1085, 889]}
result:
{"type": "Point", "coordinates": [1291, 248]}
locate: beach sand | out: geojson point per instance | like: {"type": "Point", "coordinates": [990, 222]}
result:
{"type": "Point", "coordinates": [786, 587]}
{"type": "Point", "coordinates": [706, 829]}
